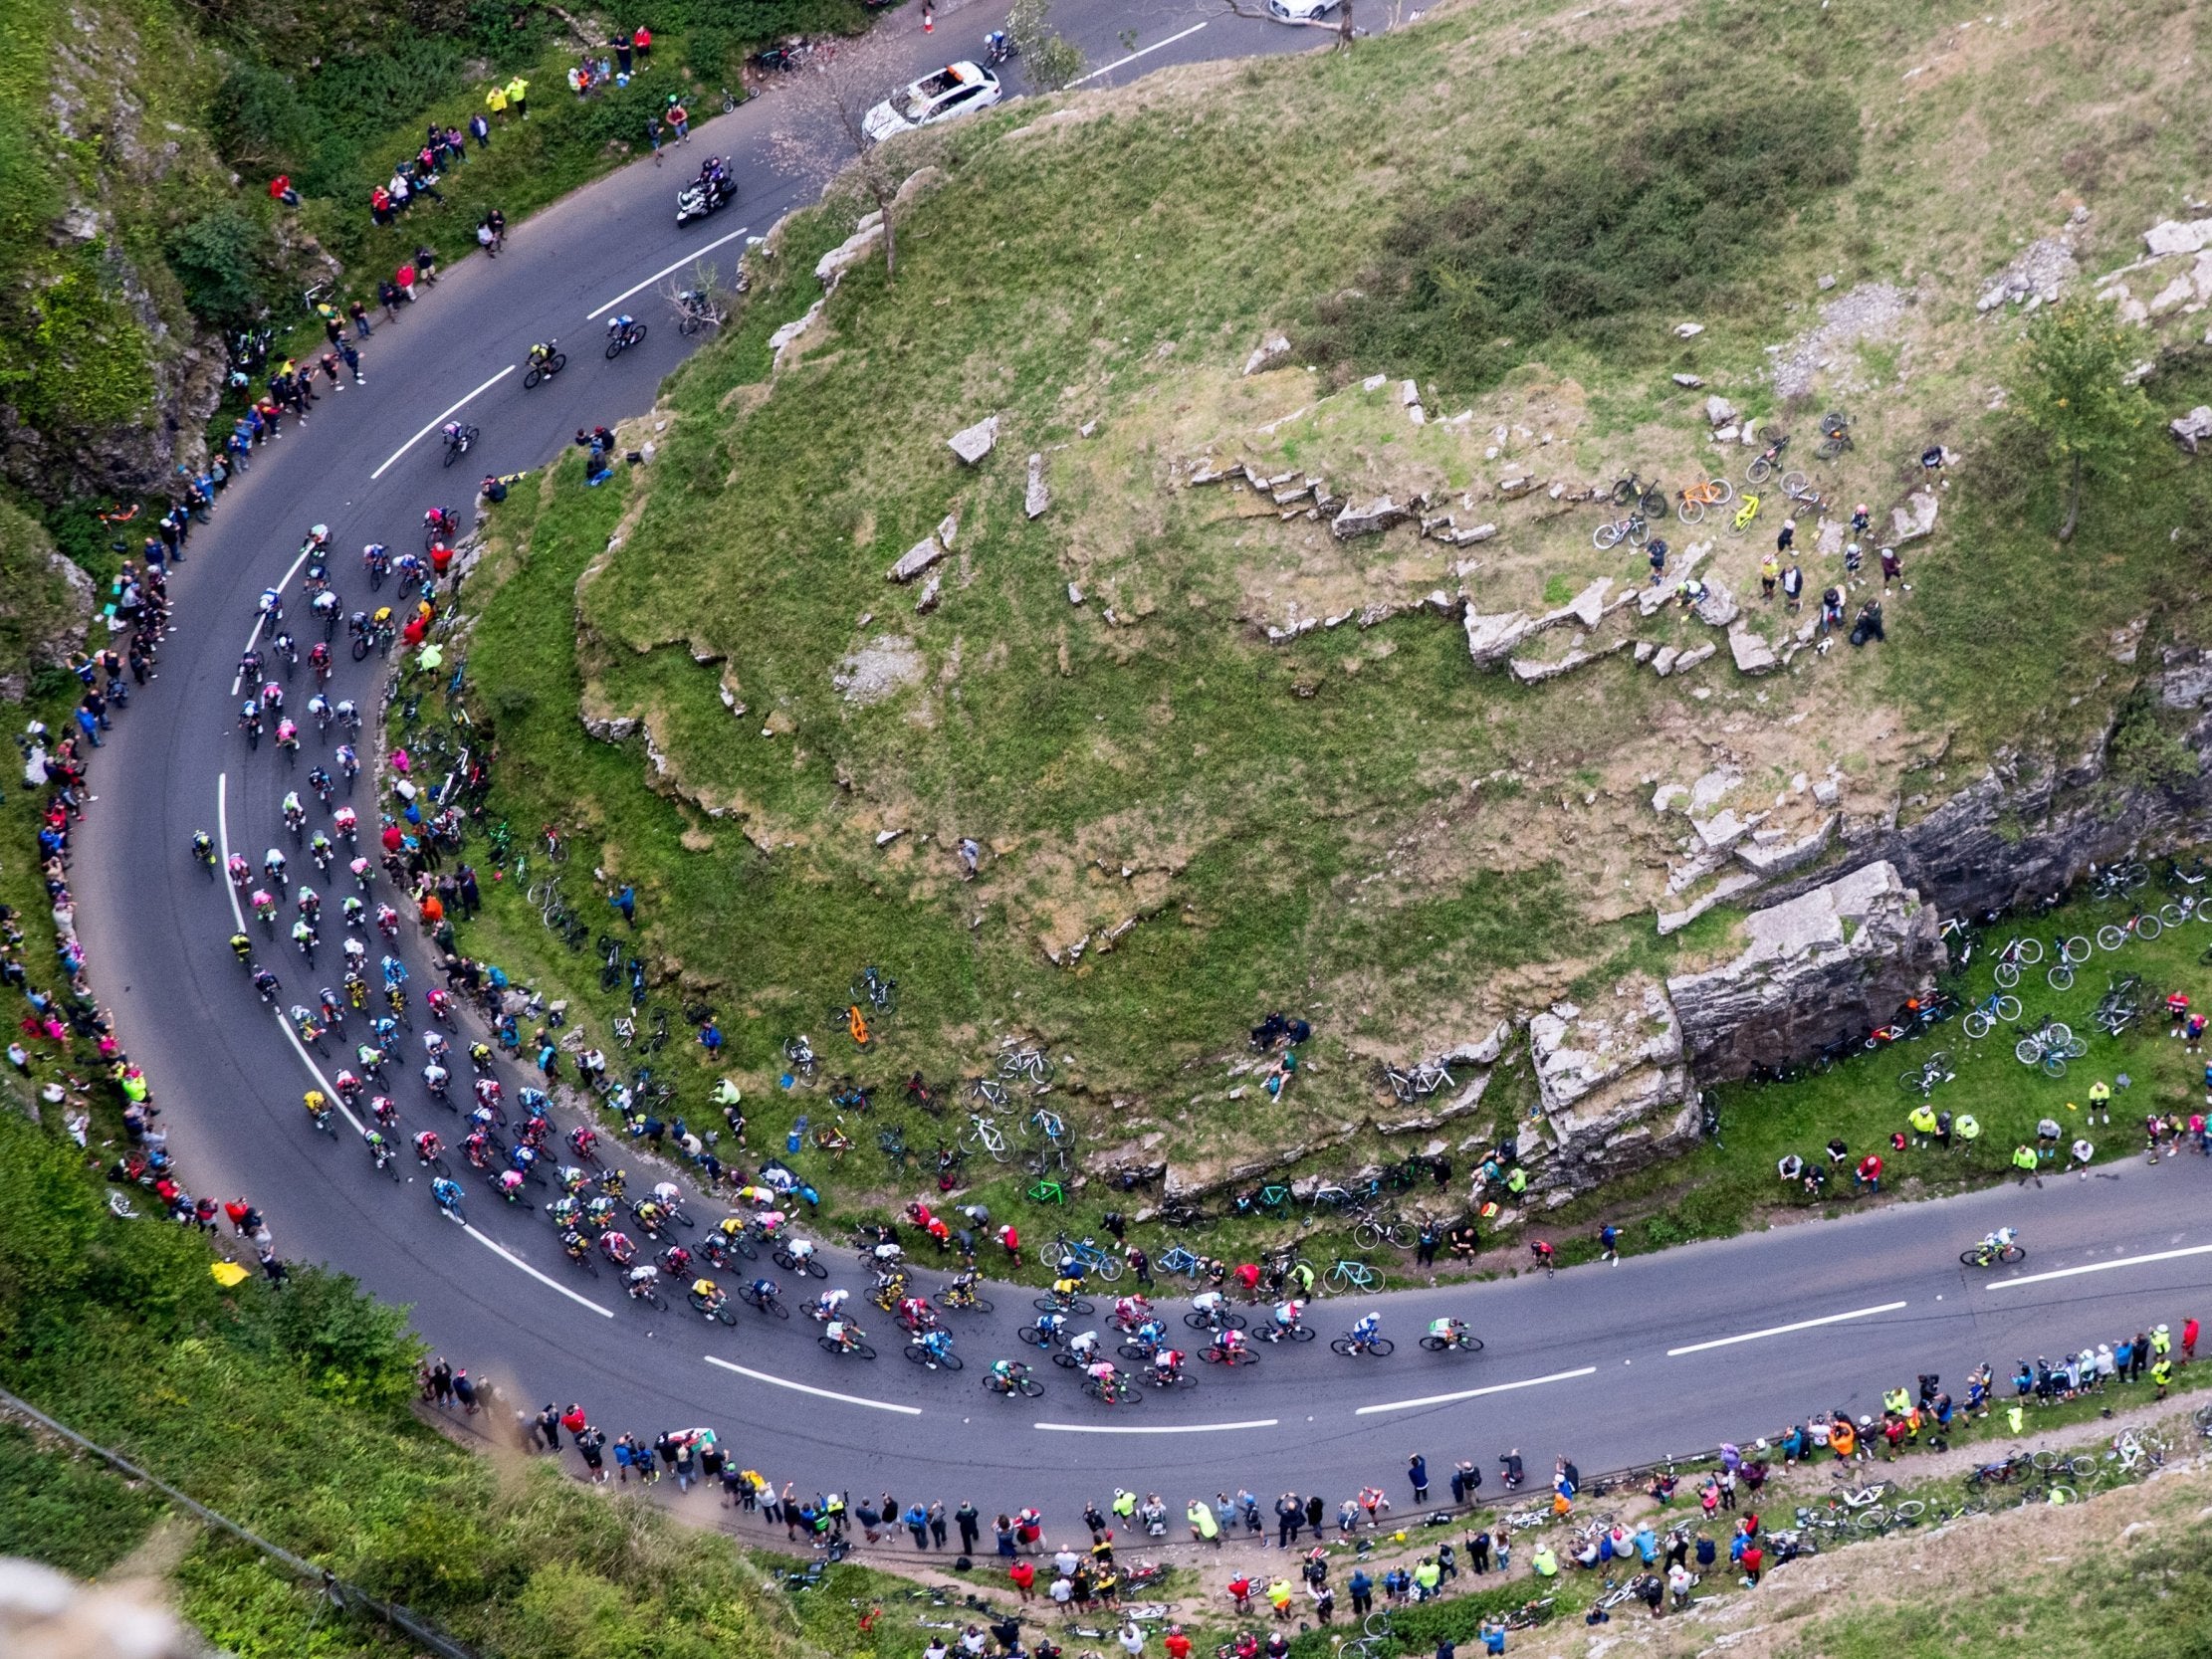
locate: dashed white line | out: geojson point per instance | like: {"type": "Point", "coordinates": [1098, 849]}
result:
{"type": "Point", "coordinates": [818, 1393]}
{"type": "Point", "coordinates": [1475, 1394]}
{"type": "Point", "coordinates": [2099, 1267]}
{"type": "Point", "coordinates": [548, 1282]}
{"type": "Point", "coordinates": [696, 253]}
{"type": "Point", "coordinates": [1134, 56]}
{"type": "Point", "coordinates": [1153, 1429]}
{"type": "Point", "coordinates": [431, 425]}
{"type": "Point", "coordinates": [1785, 1330]}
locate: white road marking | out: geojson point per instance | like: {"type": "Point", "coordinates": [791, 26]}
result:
{"type": "Point", "coordinates": [696, 253]}
{"type": "Point", "coordinates": [1134, 56]}
{"type": "Point", "coordinates": [550, 1283]}
{"type": "Point", "coordinates": [2100, 1267]}
{"type": "Point", "coordinates": [1785, 1330]}
{"type": "Point", "coordinates": [1475, 1394]}
{"type": "Point", "coordinates": [818, 1393]}
{"type": "Point", "coordinates": [222, 836]}
{"type": "Point", "coordinates": [1152, 1428]}
{"type": "Point", "coordinates": [251, 639]}
{"type": "Point", "coordinates": [432, 424]}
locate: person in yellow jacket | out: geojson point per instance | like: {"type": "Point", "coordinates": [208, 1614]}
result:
{"type": "Point", "coordinates": [1204, 1528]}
{"type": "Point", "coordinates": [1923, 1124]}
{"type": "Point", "coordinates": [1544, 1562]}
{"type": "Point", "coordinates": [517, 97]}
{"type": "Point", "coordinates": [496, 99]}
{"type": "Point", "coordinates": [2101, 1100]}
{"type": "Point", "coordinates": [2025, 1161]}
{"type": "Point", "coordinates": [2161, 1374]}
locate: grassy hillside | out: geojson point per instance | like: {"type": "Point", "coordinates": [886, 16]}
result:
{"type": "Point", "coordinates": [1229, 813]}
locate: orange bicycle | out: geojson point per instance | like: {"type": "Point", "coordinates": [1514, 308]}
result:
{"type": "Point", "coordinates": [855, 1022]}
{"type": "Point", "coordinates": [1691, 504]}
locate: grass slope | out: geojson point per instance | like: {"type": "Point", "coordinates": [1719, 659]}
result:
{"type": "Point", "coordinates": [1355, 826]}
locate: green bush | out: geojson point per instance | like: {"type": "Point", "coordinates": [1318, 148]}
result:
{"type": "Point", "coordinates": [226, 263]}
{"type": "Point", "coordinates": [1590, 234]}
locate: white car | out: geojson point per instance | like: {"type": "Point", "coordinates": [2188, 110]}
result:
{"type": "Point", "coordinates": [955, 89]}
{"type": "Point", "coordinates": [1300, 11]}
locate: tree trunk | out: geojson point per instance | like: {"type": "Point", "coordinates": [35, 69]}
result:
{"type": "Point", "coordinates": [2072, 495]}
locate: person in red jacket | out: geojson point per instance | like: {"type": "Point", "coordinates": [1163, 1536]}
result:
{"type": "Point", "coordinates": [441, 558]}
{"type": "Point", "coordinates": [280, 190]}
{"type": "Point", "coordinates": [2188, 1340]}
{"type": "Point", "coordinates": [1178, 1644]}
{"type": "Point", "coordinates": [1754, 1559]}
{"type": "Point", "coordinates": [1868, 1176]}
{"type": "Point", "coordinates": [1024, 1572]}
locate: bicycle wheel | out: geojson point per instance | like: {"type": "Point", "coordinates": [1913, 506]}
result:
{"type": "Point", "coordinates": [1759, 471]}
{"type": "Point", "coordinates": [531, 378]}
{"type": "Point", "coordinates": [2008, 1008]}
{"type": "Point", "coordinates": [2076, 1047]}
{"type": "Point", "coordinates": [1640, 531]}
{"type": "Point", "coordinates": [1971, 1257]}
{"type": "Point", "coordinates": [1915, 1082]}
{"type": "Point", "coordinates": [2007, 974]}
{"type": "Point", "coordinates": [2028, 1051]}
{"type": "Point", "coordinates": [1607, 536]}
{"type": "Point", "coordinates": [1794, 484]}
{"type": "Point", "coordinates": [1977, 1024]}
{"type": "Point", "coordinates": [1623, 492]}
{"type": "Point", "coordinates": [2109, 938]}
{"type": "Point", "coordinates": [2074, 948]}
{"type": "Point", "coordinates": [2061, 977]}
{"type": "Point", "coordinates": [1108, 1267]}
{"type": "Point", "coordinates": [1341, 1344]}
{"type": "Point", "coordinates": [2054, 1064]}
{"type": "Point", "coordinates": [1367, 1236]}
{"type": "Point", "coordinates": [1690, 511]}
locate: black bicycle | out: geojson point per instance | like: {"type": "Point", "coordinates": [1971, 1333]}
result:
{"type": "Point", "coordinates": [459, 442]}
{"type": "Point", "coordinates": [620, 340]}
{"type": "Point", "coordinates": [545, 369]}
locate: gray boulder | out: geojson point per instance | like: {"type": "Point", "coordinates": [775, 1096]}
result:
{"type": "Point", "coordinates": [973, 443]}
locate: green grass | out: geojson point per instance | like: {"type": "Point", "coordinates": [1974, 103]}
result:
{"type": "Point", "coordinates": [1353, 826]}
{"type": "Point", "coordinates": [68, 1512]}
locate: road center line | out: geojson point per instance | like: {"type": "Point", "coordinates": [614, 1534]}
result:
{"type": "Point", "coordinates": [498, 1249]}
{"type": "Point", "coordinates": [1784, 1330]}
{"type": "Point", "coordinates": [432, 424]}
{"type": "Point", "coordinates": [1473, 1393]}
{"type": "Point", "coordinates": [2100, 1267]}
{"type": "Point", "coordinates": [818, 1393]}
{"type": "Point", "coordinates": [1134, 56]}
{"type": "Point", "coordinates": [696, 253]}
{"type": "Point", "coordinates": [1152, 1428]}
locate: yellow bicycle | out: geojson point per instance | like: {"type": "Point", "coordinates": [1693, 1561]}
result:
{"type": "Point", "coordinates": [1745, 513]}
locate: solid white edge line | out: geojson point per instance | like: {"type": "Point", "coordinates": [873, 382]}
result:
{"type": "Point", "coordinates": [1151, 1428]}
{"type": "Point", "coordinates": [808, 1388]}
{"type": "Point", "coordinates": [2100, 1267]}
{"type": "Point", "coordinates": [498, 1249]}
{"type": "Point", "coordinates": [1784, 1330]}
{"type": "Point", "coordinates": [432, 423]}
{"type": "Point", "coordinates": [222, 826]}
{"type": "Point", "coordinates": [696, 253]}
{"type": "Point", "coordinates": [1475, 1394]}
{"type": "Point", "coordinates": [252, 638]}
{"type": "Point", "coordinates": [1134, 56]}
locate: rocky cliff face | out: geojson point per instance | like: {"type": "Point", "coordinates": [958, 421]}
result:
{"type": "Point", "coordinates": [105, 382]}
{"type": "Point", "coordinates": [1840, 956]}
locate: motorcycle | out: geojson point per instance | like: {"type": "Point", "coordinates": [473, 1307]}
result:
{"type": "Point", "coordinates": [704, 195]}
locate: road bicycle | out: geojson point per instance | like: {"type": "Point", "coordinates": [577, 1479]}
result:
{"type": "Point", "coordinates": [1176, 1259]}
{"type": "Point", "coordinates": [458, 444]}
{"type": "Point", "coordinates": [1648, 498]}
{"type": "Point", "coordinates": [2073, 951]}
{"type": "Point", "coordinates": [1984, 1254]}
{"type": "Point", "coordinates": [2143, 925]}
{"type": "Point", "coordinates": [1529, 1614]}
{"type": "Point", "coordinates": [1421, 1081]}
{"type": "Point", "coordinates": [1046, 1191]}
{"type": "Point", "coordinates": [1032, 1064]}
{"type": "Point", "coordinates": [1801, 493]}
{"type": "Point", "coordinates": [2018, 952]}
{"type": "Point", "coordinates": [2049, 1045]}
{"type": "Point", "coordinates": [990, 1091]}
{"type": "Point", "coordinates": [1373, 1232]}
{"type": "Point", "coordinates": [1768, 462]}
{"type": "Point", "coordinates": [1348, 1275]}
{"type": "Point", "coordinates": [1635, 530]}
{"type": "Point", "coordinates": [620, 340]}
{"type": "Point", "coordinates": [695, 312]}
{"type": "Point", "coordinates": [1691, 504]}
{"type": "Point", "coordinates": [1087, 1254]}
{"type": "Point", "coordinates": [877, 992]}
{"type": "Point", "coordinates": [982, 1136]}
{"type": "Point", "coordinates": [799, 1056]}
{"type": "Point", "coordinates": [1348, 1346]}
{"type": "Point", "coordinates": [1982, 1018]}
{"type": "Point", "coordinates": [1923, 1079]}
{"type": "Point", "coordinates": [2117, 879]}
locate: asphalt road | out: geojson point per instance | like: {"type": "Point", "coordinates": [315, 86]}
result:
{"type": "Point", "coordinates": [1613, 1365]}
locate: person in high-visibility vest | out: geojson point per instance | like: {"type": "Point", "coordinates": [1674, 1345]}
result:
{"type": "Point", "coordinates": [2025, 1161]}
{"type": "Point", "coordinates": [2161, 1374]}
{"type": "Point", "coordinates": [1923, 1124]}
{"type": "Point", "coordinates": [1966, 1128]}
{"type": "Point", "coordinates": [2101, 1100]}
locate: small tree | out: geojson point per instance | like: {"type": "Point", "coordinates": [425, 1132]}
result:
{"type": "Point", "coordinates": [2075, 390]}
{"type": "Point", "coordinates": [826, 114]}
{"type": "Point", "coordinates": [1049, 60]}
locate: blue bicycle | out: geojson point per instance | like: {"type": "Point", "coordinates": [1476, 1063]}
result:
{"type": "Point", "coordinates": [1179, 1260]}
{"type": "Point", "coordinates": [1087, 1255]}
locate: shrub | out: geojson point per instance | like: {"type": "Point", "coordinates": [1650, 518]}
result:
{"type": "Point", "coordinates": [224, 262]}
{"type": "Point", "coordinates": [1588, 235]}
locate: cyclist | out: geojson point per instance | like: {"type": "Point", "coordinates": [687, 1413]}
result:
{"type": "Point", "coordinates": [576, 1246]}
{"type": "Point", "coordinates": [434, 1045]}
{"type": "Point", "coordinates": [1167, 1365]}
{"type": "Point", "coordinates": [1210, 1306]}
{"type": "Point", "coordinates": [509, 1183]}
{"type": "Point", "coordinates": [708, 1296]}
{"type": "Point", "coordinates": [1006, 1375]}
{"type": "Point", "coordinates": [1051, 1327]}
{"type": "Point", "coordinates": [936, 1345]}
{"type": "Point", "coordinates": [675, 1261]}
{"type": "Point", "coordinates": [1283, 1320]}
{"type": "Point", "coordinates": [1131, 1311]}
{"type": "Point", "coordinates": [572, 1180]}
{"type": "Point", "coordinates": [288, 735]}
{"type": "Point", "coordinates": [541, 354]}
{"type": "Point", "coordinates": [322, 851]}
{"type": "Point", "coordinates": [203, 848]}
{"type": "Point", "coordinates": [378, 1148]}
{"type": "Point", "coordinates": [916, 1315]}
{"type": "Point", "coordinates": [764, 1291]}
{"type": "Point", "coordinates": [1228, 1343]}
{"type": "Point", "coordinates": [347, 762]}
{"type": "Point", "coordinates": [618, 326]}
{"type": "Point", "coordinates": [1150, 1336]}
{"type": "Point", "coordinates": [802, 1251]}
{"type": "Point", "coordinates": [1994, 1245]}
{"type": "Point", "coordinates": [638, 1280]}
{"type": "Point", "coordinates": [347, 1085]}
{"type": "Point", "coordinates": [241, 873]}
{"type": "Point", "coordinates": [826, 1305]}
{"type": "Point", "coordinates": [448, 1194]}
{"type": "Point", "coordinates": [319, 1107]}
{"type": "Point", "coordinates": [440, 1002]}
{"type": "Point", "coordinates": [1449, 1331]}
{"type": "Point", "coordinates": [477, 1146]}
{"type": "Point", "coordinates": [385, 1109]}
{"type": "Point", "coordinates": [428, 1146]}
{"type": "Point", "coordinates": [1105, 1377]}
{"type": "Point", "coordinates": [1083, 1346]}
{"type": "Point", "coordinates": [266, 983]}
{"type": "Point", "coordinates": [304, 935]}
{"type": "Point", "coordinates": [842, 1333]}
{"type": "Point", "coordinates": [1364, 1333]}
{"type": "Point", "coordinates": [241, 947]}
